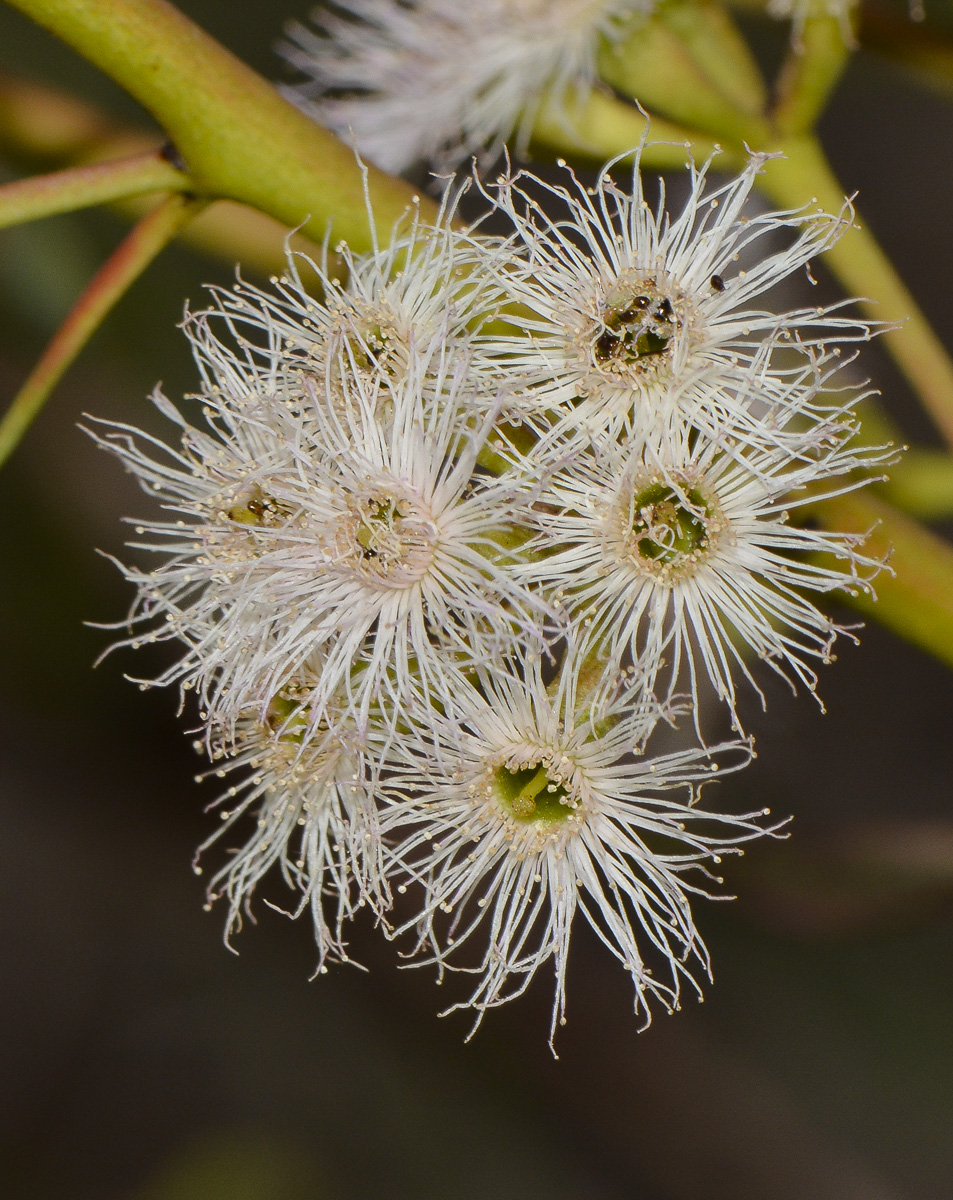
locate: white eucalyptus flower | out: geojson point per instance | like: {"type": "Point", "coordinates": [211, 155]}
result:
{"type": "Point", "coordinates": [377, 311]}
{"type": "Point", "coordinates": [630, 315]}
{"type": "Point", "coordinates": [308, 794]}
{"type": "Point", "coordinates": [439, 80]}
{"type": "Point", "coordinates": [358, 529]}
{"type": "Point", "coordinates": [522, 810]}
{"type": "Point", "coordinates": [678, 551]}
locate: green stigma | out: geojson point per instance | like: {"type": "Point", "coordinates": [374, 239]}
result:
{"type": "Point", "coordinates": [530, 795]}
{"type": "Point", "coordinates": [373, 346]}
{"type": "Point", "coordinates": [640, 327]}
{"type": "Point", "coordinates": [667, 531]}
{"type": "Point", "coordinates": [253, 507]}
{"type": "Point", "coordinates": [286, 718]}
{"type": "Point", "coordinates": [369, 347]}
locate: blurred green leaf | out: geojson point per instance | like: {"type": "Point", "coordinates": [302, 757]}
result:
{"type": "Point", "coordinates": [238, 1165]}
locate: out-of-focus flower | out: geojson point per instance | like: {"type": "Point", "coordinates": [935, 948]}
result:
{"type": "Point", "coordinates": [439, 80]}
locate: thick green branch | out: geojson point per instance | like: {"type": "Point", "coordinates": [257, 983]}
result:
{"type": "Point", "coordinates": [44, 127]}
{"type": "Point", "coordinates": [109, 284]}
{"type": "Point", "coordinates": [82, 187]}
{"type": "Point", "coordinates": [239, 138]}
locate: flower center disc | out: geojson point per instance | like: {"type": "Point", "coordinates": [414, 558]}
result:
{"type": "Point", "coordinates": [367, 341]}
{"type": "Point", "coordinates": [252, 507]}
{"type": "Point", "coordinates": [532, 794]}
{"type": "Point", "coordinates": [391, 538]}
{"type": "Point", "coordinates": [668, 530]}
{"type": "Point", "coordinates": [374, 347]}
{"type": "Point", "coordinates": [637, 324]}
{"type": "Point", "coordinates": [286, 718]}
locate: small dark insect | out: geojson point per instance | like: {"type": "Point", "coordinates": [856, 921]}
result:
{"type": "Point", "coordinates": [717, 283]}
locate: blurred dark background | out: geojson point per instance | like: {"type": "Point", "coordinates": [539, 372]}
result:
{"type": "Point", "coordinates": [139, 1060]}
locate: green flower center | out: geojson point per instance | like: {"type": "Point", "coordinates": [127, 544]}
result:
{"type": "Point", "coordinates": [390, 537]}
{"type": "Point", "coordinates": [370, 347]}
{"type": "Point", "coordinates": [670, 527]}
{"type": "Point", "coordinates": [286, 717]}
{"type": "Point", "coordinates": [531, 794]}
{"type": "Point", "coordinates": [639, 326]}
{"type": "Point", "coordinates": [253, 507]}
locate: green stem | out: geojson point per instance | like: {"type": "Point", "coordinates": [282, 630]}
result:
{"type": "Point", "coordinates": [40, 125]}
{"type": "Point", "coordinates": [920, 483]}
{"type": "Point", "coordinates": [82, 187]}
{"type": "Point", "coordinates": [109, 284]}
{"type": "Point", "coordinates": [712, 38]}
{"type": "Point", "coordinates": [810, 73]}
{"type": "Point", "coordinates": [601, 126]}
{"type": "Point", "coordinates": [916, 599]}
{"type": "Point", "coordinates": [655, 67]}
{"type": "Point", "coordinates": [239, 137]}
{"type": "Point", "coordinates": [803, 176]}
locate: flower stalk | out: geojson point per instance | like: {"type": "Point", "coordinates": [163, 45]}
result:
{"type": "Point", "coordinates": [83, 187]}
{"type": "Point", "coordinates": [921, 484]}
{"type": "Point", "coordinates": [110, 283]}
{"type": "Point", "coordinates": [864, 269]}
{"type": "Point", "coordinates": [596, 126]}
{"type": "Point", "coordinates": [655, 66]}
{"type": "Point", "coordinates": [710, 34]}
{"type": "Point", "coordinates": [810, 73]}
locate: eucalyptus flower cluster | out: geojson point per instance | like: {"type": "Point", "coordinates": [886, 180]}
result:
{"type": "Point", "coordinates": [446, 548]}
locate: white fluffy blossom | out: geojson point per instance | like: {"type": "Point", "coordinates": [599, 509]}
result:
{"type": "Point", "coordinates": [309, 801]}
{"type": "Point", "coordinates": [524, 810]}
{"type": "Point", "coordinates": [355, 528]}
{"type": "Point", "coordinates": [630, 313]}
{"type": "Point", "coordinates": [376, 312]}
{"type": "Point", "coordinates": [414, 80]}
{"type": "Point", "coordinates": [678, 551]}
